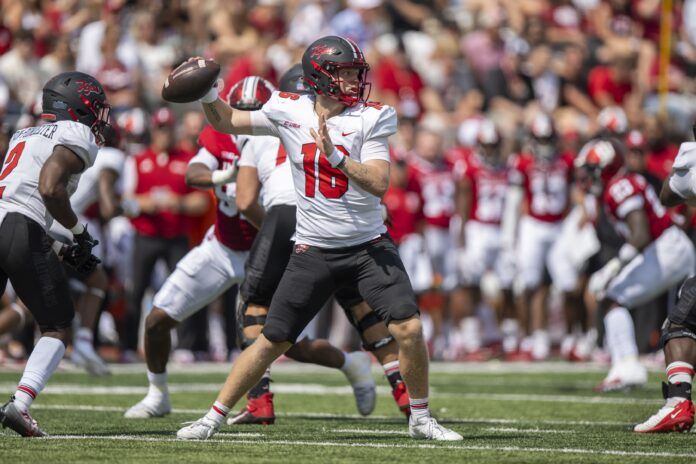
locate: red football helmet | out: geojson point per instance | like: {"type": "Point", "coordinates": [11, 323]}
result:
{"type": "Point", "coordinates": [250, 94]}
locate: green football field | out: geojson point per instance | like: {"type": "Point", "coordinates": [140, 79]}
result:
{"type": "Point", "coordinates": [507, 413]}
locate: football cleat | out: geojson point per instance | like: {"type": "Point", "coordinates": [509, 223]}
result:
{"type": "Point", "coordinates": [21, 422]}
{"type": "Point", "coordinates": [623, 376]}
{"type": "Point", "coordinates": [257, 411]}
{"type": "Point", "coordinates": [84, 355]}
{"type": "Point", "coordinates": [149, 407]}
{"type": "Point", "coordinates": [202, 429]}
{"type": "Point", "coordinates": [677, 417]}
{"type": "Point", "coordinates": [427, 428]}
{"type": "Point", "coordinates": [400, 395]}
{"type": "Point", "coordinates": [359, 375]}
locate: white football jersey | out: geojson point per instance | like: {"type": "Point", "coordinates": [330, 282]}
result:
{"type": "Point", "coordinates": [87, 192]}
{"type": "Point", "coordinates": [268, 156]}
{"type": "Point", "coordinates": [28, 151]}
{"type": "Point", "coordinates": [332, 211]}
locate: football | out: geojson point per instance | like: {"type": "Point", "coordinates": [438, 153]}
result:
{"type": "Point", "coordinates": [190, 81]}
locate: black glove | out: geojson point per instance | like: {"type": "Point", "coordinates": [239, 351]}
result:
{"type": "Point", "coordinates": [79, 254]}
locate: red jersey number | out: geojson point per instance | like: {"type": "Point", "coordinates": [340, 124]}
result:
{"type": "Point", "coordinates": [12, 162]}
{"type": "Point", "coordinates": [333, 183]}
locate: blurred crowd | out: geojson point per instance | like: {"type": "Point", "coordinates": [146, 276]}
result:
{"type": "Point", "coordinates": [448, 67]}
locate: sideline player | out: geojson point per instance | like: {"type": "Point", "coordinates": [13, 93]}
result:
{"type": "Point", "coordinates": [340, 231]}
{"type": "Point", "coordinates": [679, 330]}
{"type": "Point", "coordinates": [656, 256]}
{"type": "Point", "coordinates": [540, 181]}
{"type": "Point", "coordinates": [482, 185]}
{"type": "Point", "coordinates": [41, 170]}
{"type": "Point", "coordinates": [264, 169]}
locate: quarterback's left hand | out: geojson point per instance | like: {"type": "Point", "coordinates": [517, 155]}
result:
{"type": "Point", "coordinates": [322, 139]}
{"type": "Point", "coordinates": [600, 279]}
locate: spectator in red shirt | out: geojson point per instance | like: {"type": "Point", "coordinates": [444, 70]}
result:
{"type": "Point", "coordinates": [166, 205]}
{"type": "Point", "coordinates": [610, 85]}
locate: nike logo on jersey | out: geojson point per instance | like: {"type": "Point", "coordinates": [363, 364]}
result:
{"type": "Point", "coordinates": [345, 134]}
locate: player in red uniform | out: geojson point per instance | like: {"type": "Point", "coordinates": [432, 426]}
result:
{"type": "Point", "coordinates": [539, 187]}
{"type": "Point", "coordinates": [482, 186]}
{"type": "Point", "coordinates": [656, 256]}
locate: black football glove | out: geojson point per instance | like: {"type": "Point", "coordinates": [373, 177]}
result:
{"type": "Point", "coordinates": [79, 254]}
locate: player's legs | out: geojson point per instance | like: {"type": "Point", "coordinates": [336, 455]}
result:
{"type": "Point", "coordinates": [88, 307]}
{"type": "Point", "coordinates": [383, 283]}
{"type": "Point", "coordinates": [376, 339]}
{"type": "Point", "coordinates": [146, 252]}
{"type": "Point", "coordinates": [535, 241]}
{"type": "Point", "coordinates": [204, 274]}
{"type": "Point", "coordinates": [304, 288]}
{"type": "Point", "coordinates": [38, 279]}
{"type": "Point", "coordinates": [679, 339]}
{"type": "Point", "coordinates": [663, 264]}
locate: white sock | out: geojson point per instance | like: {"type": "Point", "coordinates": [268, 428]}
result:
{"type": "Point", "coordinates": [41, 364]}
{"type": "Point", "coordinates": [419, 408]}
{"type": "Point", "coordinates": [83, 336]}
{"type": "Point", "coordinates": [218, 413]}
{"type": "Point", "coordinates": [680, 372]}
{"type": "Point", "coordinates": [158, 385]}
{"type": "Point", "coordinates": [621, 337]}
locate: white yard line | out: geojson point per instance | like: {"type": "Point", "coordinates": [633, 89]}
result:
{"type": "Point", "coordinates": [317, 389]}
{"type": "Point", "coordinates": [518, 430]}
{"type": "Point", "coordinates": [290, 367]}
{"type": "Point", "coordinates": [326, 415]}
{"type": "Point", "coordinates": [507, 449]}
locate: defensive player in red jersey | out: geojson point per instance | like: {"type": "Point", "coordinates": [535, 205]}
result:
{"type": "Point", "coordinates": [433, 172]}
{"type": "Point", "coordinates": [482, 186]}
{"type": "Point", "coordinates": [656, 256]}
{"type": "Point", "coordinates": [539, 187]}
{"type": "Point", "coordinates": [679, 329]}
{"type": "Point", "coordinates": [337, 144]}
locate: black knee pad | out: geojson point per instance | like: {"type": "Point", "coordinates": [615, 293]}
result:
{"type": "Point", "coordinates": [371, 319]}
{"type": "Point", "coordinates": [243, 321]}
{"type": "Point", "coordinates": [671, 330]}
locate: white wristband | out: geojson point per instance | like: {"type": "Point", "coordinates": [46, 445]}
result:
{"type": "Point", "coordinates": [77, 229]}
{"type": "Point", "coordinates": [627, 252]}
{"type": "Point", "coordinates": [222, 176]}
{"type": "Point", "coordinates": [211, 96]}
{"type": "Point", "coordinates": [335, 158]}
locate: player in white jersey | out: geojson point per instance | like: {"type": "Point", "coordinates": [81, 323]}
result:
{"type": "Point", "coordinates": [337, 146]}
{"type": "Point", "coordinates": [264, 169]}
{"type": "Point", "coordinates": [41, 170]}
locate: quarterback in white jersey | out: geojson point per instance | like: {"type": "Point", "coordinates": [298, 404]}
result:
{"type": "Point", "coordinates": [40, 172]}
{"type": "Point", "coordinates": [337, 145]}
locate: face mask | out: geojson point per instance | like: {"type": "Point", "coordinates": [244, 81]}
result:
{"type": "Point", "coordinates": [544, 150]}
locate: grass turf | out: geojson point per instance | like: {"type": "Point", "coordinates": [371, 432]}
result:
{"type": "Point", "coordinates": [529, 415]}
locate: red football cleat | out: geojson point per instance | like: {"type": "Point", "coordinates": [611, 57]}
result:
{"type": "Point", "coordinates": [401, 397]}
{"type": "Point", "coordinates": [676, 418]}
{"type": "Point", "coordinates": [257, 411]}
